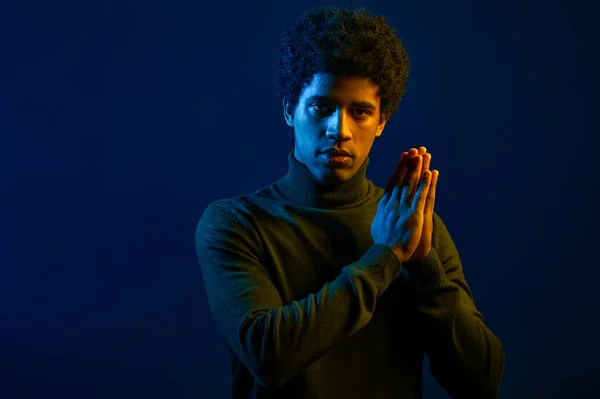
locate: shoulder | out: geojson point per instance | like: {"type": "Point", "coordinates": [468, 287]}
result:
{"type": "Point", "coordinates": [241, 204]}
{"type": "Point", "coordinates": [236, 214]}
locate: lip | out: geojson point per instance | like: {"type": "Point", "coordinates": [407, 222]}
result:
{"type": "Point", "coordinates": [336, 161]}
{"type": "Point", "coordinates": [338, 153]}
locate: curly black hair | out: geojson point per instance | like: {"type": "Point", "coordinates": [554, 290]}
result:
{"type": "Point", "coordinates": [344, 43]}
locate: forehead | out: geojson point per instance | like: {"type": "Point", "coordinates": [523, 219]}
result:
{"type": "Point", "coordinates": [342, 88]}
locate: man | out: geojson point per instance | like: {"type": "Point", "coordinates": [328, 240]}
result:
{"type": "Point", "coordinates": [324, 285]}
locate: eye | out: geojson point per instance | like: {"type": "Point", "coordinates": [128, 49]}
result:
{"type": "Point", "coordinates": [324, 109]}
{"type": "Point", "coordinates": [365, 112]}
{"type": "Point", "coordinates": [321, 108]}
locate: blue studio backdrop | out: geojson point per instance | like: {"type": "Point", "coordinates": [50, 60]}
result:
{"type": "Point", "coordinates": [121, 120]}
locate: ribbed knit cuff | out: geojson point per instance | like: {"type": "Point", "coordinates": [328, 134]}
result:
{"type": "Point", "coordinates": [428, 272]}
{"type": "Point", "coordinates": [381, 265]}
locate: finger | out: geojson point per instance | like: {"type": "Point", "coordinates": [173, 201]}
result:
{"type": "Point", "coordinates": [385, 198]}
{"type": "Point", "coordinates": [415, 175]}
{"type": "Point", "coordinates": [404, 172]}
{"type": "Point", "coordinates": [422, 150]}
{"type": "Point", "coordinates": [399, 166]}
{"type": "Point", "coordinates": [395, 195]}
{"type": "Point", "coordinates": [394, 178]}
{"type": "Point", "coordinates": [430, 200]}
{"type": "Point", "coordinates": [403, 157]}
{"type": "Point", "coordinates": [405, 194]}
{"type": "Point", "coordinates": [404, 167]}
{"type": "Point", "coordinates": [426, 161]}
{"type": "Point", "coordinates": [418, 203]}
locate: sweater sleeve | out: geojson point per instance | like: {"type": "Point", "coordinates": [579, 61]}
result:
{"type": "Point", "coordinates": [275, 340]}
{"type": "Point", "coordinates": [466, 358]}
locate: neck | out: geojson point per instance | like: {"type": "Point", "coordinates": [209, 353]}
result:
{"type": "Point", "coordinates": [303, 188]}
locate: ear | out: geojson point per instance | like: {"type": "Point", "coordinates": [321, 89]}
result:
{"type": "Point", "coordinates": [288, 112]}
{"type": "Point", "coordinates": [381, 126]}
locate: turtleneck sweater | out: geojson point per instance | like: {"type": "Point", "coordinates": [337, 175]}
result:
{"type": "Point", "coordinates": [310, 307]}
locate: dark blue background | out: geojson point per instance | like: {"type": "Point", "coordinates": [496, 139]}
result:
{"type": "Point", "coordinates": [121, 120]}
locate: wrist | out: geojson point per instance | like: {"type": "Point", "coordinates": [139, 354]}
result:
{"type": "Point", "coordinates": [402, 258]}
{"type": "Point", "coordinates": [428, 272]}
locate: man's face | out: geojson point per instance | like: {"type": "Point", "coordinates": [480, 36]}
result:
{"type": "Point", "coordinates": [335, 112]}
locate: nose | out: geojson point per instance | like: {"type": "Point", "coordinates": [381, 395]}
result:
{"type": "Point", "coordinates": [337, 128]}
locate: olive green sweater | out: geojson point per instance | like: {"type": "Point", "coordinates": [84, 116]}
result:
{"type": "Point", "coordinates": [311, 308]}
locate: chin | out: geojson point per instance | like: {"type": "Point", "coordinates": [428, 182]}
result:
{"type": "Point", "coordinates": [336, 176]}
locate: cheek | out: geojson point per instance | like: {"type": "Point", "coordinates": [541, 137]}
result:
{"type": "Point", "coordinates": [305, 143]}
{"type": "Point", "coordinates": [367, 137]}
{"type": "Point", "coordinates": [365, 143]}
{"type": "Point", "coordinates": [307, 131]}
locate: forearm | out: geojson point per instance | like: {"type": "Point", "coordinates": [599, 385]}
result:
{"type": "Point", "coordinates": [465, 355]}
{"type": "Point", "coordinates": [275, 340]}
{"type": "Point", "coordinates": [278, 343]}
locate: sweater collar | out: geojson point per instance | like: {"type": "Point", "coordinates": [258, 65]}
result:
{"type": "Point", "coordinates": [302, 187]}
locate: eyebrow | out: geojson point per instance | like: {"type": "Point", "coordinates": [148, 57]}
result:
{"type": "Point", "coordinates": [359, 104]}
